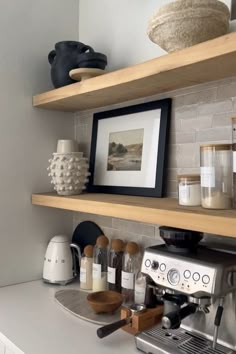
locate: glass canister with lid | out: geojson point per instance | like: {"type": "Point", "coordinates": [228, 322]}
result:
{"type": "Point", "coordinates": [100, 254]}
{"type": "Point", "coordinates": [216, 176]}
{"type": "Point", "coordinates": [189, 190]}
{"type": "Point", "coordinates": [86, 268]}
{"type": "Point", "coordinates": [115, 259]}
{"type": "Point", "coordinates": [131, 266]}
{"type": "Point", "coordinates": [234, 159]}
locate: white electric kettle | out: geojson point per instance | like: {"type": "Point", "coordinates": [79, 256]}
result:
{"type": "Point", "coordinates": [58, 261]}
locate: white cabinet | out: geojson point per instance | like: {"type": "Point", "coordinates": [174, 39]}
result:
{"type": "Point", "coordinates": [7, 347]}
{"type": "Point", "coordinates": [2, 348]}
{"type": "Point", "coordinates": [10, 351]}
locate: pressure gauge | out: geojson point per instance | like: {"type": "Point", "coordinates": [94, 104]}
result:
{"type": "Point", "coordinates": [173, 276]}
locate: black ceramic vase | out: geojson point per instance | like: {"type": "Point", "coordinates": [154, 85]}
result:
{"type": "Point", "coordinates": [65, 58]}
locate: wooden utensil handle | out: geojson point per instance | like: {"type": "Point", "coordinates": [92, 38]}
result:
{"type": "Point", "coordinates": [112, 327]}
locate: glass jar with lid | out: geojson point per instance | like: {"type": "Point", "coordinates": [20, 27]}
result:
{"type": "Point", "coordinates": [234, 158]}
{"type": "Point", "coordinates": [216, 176]}
{"type": "Point", "coordinates": [115, 259]}
{"type": "Point", "coordinates": [131, 267]}
{"type": "Point", "coordinates": [86, 268]}
{"type": "Point", "coordinates": [189, 187]}
{"type": "Point", "coordinates": [100, 254]}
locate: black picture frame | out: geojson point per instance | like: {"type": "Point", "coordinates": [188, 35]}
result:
{"type": "Point", "coordinates": [160, 186]}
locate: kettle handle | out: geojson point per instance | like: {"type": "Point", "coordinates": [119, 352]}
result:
{"type": "Point", "coordinates": [76, 247]}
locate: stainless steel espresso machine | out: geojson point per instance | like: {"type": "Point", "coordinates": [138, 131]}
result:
{"type": "Point", "coordinates": [195, 283]}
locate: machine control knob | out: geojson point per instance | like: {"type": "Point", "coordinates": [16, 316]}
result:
{"type": "Point", "coordinates": [173, 276]}
{"type": "Point", "coordinates": [232, 279]}
{"type": "Point", "coordinates": [196, 276]}
{"type": "Point", "coordinates": [206, 279]}
{"type": "Point", "coordinates": [162, 267]}
{"type": "Point", "coordinates": [187, 274]}
{"type": "Point", "coordinates": [147, 263]}
{"type": "Point", "coordinates": [155, 265]}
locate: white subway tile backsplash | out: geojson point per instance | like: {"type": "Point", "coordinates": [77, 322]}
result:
{"type": "Point", "coordinates": [226, 91]}
{"type": "Point", "coordinates": [182, 138]}
{"type": "Point", "coordinates": [200, 114]}
{"type": "Point", "coordinates": [222, 119]}
{"type": "Point", "coordinates": [214, 134]}
{"type": "Point", "coordinates": [147, 242]}
{"type": "Point", "coordinates": [234, 106]}
{"type": "Point", "coordinates": [134, 227]}
{"type": "Point", "coordinates": [215, 107]}
{"type": "Point", "coordinates": [102, 221]}
{"type": "Point", "coordinates": [193, 124]}
{"type": "Point", "coordinates": [198, 97]}
{"type": "Point", "coordinates": [186, 112]}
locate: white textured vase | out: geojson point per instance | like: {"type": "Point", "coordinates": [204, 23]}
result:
{"type": "Point", "coordinates": [69, 173]}
{"type": "Point", "coordinates": [184, 23]}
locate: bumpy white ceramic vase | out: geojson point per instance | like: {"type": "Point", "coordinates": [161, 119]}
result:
{"type": "Point", "coordinates": [68, 172]}
{"type": "Point", "coordinates": [184, 23]}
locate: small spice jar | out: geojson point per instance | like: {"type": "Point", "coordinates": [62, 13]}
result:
{"type": "Point", "coordinates": [115, 258]}
{"type": "Point", "coordinates": [86, 268]}
{"type": "Point", "coordinates": [189, 190]}
{"type": "Point", "coordinates": [100, 264]}
{"type": "Point", "coordinates": [216, 176]}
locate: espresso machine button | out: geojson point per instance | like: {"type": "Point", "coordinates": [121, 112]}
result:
{"type": "Point", "coordinates": [187, 274]}
{"type": "Point", "coordinates": [196, 276]}
{"type": "Point", "coordinates": [162, 267]}
{"type": "Point", "coordinates": [173, 276]}
{"type": "Point", "coordinates": [155, 265]}
{"type": "Point", "coordinates": [147, 263]}
{"type": "Point", "coordinates": [206, 279]}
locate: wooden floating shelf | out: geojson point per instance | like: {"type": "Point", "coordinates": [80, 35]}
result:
{"type": "Point", "coordinates": [164, 211]}
{"type": "Point", "coordinates": [208, 61]}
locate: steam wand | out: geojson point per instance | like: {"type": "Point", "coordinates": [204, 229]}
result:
{"type": "Point", "coordinates": [217, 322]}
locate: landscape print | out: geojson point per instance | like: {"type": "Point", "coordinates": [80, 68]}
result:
{"type": "Point", "coordinates": [125, 150]}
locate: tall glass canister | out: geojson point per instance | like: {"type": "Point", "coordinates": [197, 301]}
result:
{"type": "Point", "coordinates": [216, 176]}
{"type": "Point", "coordinates": [234, 159]}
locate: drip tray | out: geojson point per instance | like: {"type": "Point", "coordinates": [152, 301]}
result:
{"type": "Point", "coordinates": [161, 341]}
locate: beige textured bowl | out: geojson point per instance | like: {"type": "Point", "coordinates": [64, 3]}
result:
{"type": "Point", "coordinates": [184, 23]}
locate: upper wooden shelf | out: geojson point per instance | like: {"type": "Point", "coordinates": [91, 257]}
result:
{"type": "Point", "coordinates": [147, 210]}
{"type": "Point", "coordinates": [208, 61]}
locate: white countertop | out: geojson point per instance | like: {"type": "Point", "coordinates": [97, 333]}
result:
{"type": "Point", "coordinates": [32, 320]}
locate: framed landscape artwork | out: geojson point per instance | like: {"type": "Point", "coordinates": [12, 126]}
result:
{"type": "Point", "coordinates": [129, 149]}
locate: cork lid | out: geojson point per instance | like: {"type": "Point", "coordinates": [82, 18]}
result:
{"type": "Point", "coordinates": [102, 241]}
{"type": "Point", "coordinates": [216, 147]}
{"type": "Point", "coordinates": [117, 245]}
{"type": "Point", "coordinates": [190, 177]}
{"type": "Point", "coordinates": [132, 248]}
{"type": "Point", "coordinates": [88, 251]}
{"type": "Point", "coordinates": [234, 119]}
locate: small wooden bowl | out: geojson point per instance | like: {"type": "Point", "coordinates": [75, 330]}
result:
{"type": "Point", "coordinates": [105, 301]}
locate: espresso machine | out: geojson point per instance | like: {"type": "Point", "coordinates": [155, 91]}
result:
{"type": "Point", "coordinates": [195, 283]}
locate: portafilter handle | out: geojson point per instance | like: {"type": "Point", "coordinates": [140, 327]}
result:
{"type": "Point", "coordinates": [172, 320]}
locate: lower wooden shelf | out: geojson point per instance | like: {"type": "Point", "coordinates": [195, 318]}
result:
{"type": "Point", "coordinates": [165, 211]}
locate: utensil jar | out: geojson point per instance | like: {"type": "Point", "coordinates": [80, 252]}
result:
{"type": "Point", "coordinates": [216, 176]}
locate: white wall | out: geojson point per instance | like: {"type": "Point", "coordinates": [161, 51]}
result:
{"type": "Point", "coordinates": [28, 31]}
{"type": "Point", "coordinates": [118, 29]}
